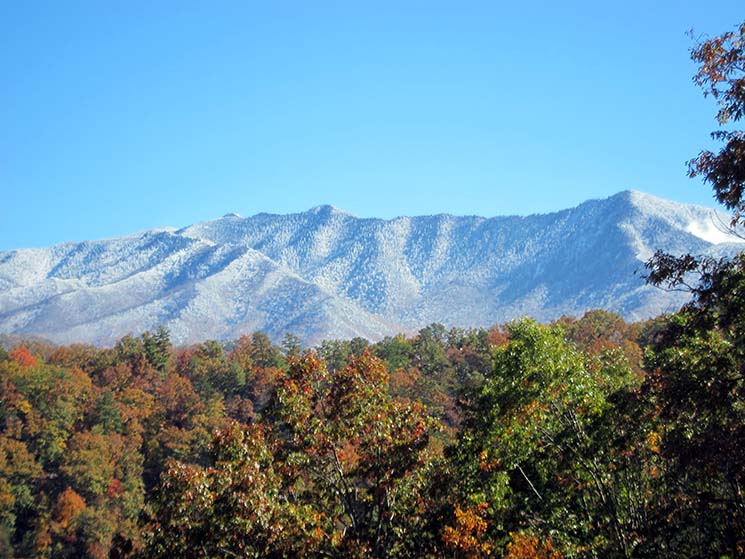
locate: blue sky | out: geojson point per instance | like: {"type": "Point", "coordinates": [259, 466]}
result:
{"type": "Point", "coordinates": [121, 116]}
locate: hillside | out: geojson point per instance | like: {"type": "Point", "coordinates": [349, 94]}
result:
{"type": "Point", "coordinates": [327, 274]}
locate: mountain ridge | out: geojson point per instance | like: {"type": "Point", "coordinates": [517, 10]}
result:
{"type": "Point", "coordinates": [326, 273]}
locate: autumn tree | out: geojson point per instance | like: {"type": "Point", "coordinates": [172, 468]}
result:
{"type": "Point", "coordinates": [721, 74]}
{"type": "Point", "coordinates": [357, 454]}
{"type": "Point", "coordinates": [235, 507]}
{"type": "Point", "coordinates": [255, 363]}
{"type": "Point", "coordinates": [20, 479]}
{"type": "Point", "coordinates": [338, 470]}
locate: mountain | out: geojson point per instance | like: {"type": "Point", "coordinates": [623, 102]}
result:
{"type": "Point", "coordinates": [327, 274]}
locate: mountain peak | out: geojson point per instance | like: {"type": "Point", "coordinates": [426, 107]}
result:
{"type": "Point", "coordinates": [326, 209]}
{"type": "Point", "coordinates": [708, 224]}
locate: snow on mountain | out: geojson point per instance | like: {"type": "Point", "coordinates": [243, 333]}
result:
{"type": "Point", "coordinates": [327, 274]}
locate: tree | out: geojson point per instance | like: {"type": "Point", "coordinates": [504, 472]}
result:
{"type": "Point", "coordinates": [158, 348]}
{"type": "Point", "coordinates": [357, 455]}
{"type": "Point", "coordinates": [23, 356]}
{"type": "Point", "coordinates": [292, 346]}
{"type": "Point", "coordinates": [232, 508]}
{"type": "Point", "coordinates": [697, 360]}
{"type": "Point", "coordinates": [535, 453]}
{"type": "Point", "coordinates": [339, 472]}
{"type": "Point", "coordinates": [20, 476]}
{"type": "Point", "coordinates": [210, 370]}
{"type": "Point", "coordinates": [395, 351]}
{"type": "Point", "coordinates": [697, 364]}
{"type": "Point", "coordinates": [335, 353]}
{"type": "Point", "coordinates": [264, 353]}
{"type": "Point", "coordinates": [721, 74]}
{"type": "Point", "coordinates": [358, 345]}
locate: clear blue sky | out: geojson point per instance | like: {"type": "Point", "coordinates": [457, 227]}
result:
{"type": "Point", "coordinates": [124, 115]}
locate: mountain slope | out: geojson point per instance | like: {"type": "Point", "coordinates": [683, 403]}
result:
{"type": "Point", "coordinates": [324, 273]}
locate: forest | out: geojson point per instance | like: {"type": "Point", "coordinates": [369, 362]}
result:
{"type": "Point", "coordinates": [584, 438]}
{"type": "Point", "coordinates": [587, 437]}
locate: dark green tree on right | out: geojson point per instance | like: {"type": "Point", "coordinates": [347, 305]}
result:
{"type": "Point", "coordinates": [697, 361]}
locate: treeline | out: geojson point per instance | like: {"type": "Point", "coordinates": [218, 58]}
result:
{"type": "Point", "coordinates": [588, 437]}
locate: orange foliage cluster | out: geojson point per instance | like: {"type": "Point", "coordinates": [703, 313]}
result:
{"type": "Point", "coordinates": [467, 537]}
{"type": "Point", "coordinates": [527, 546]}
{"type": "Point", "coordinates": [23, 356]}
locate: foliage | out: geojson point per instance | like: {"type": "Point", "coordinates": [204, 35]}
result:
{"type": "Point", "coordinates": [232, 507]}
{"type": "Point", "coordinates": [517, 441]}
{"type": "Point", "coordinates": [358, 455]}
{"type": "Point", "coordinates": [526, 546]}
{"type": "Point", "coordinates": [721, 74]}
{"type": "Point", "coordinates": [537, 449]}
{"type": "Point", "coordinates": [468, 537]}
{"type": "Point", "coordinates": [697, 382]}
{"type": "Point", "coordinates": [338, 473]}
{"type": "Point", "coordinates": [696, 358]}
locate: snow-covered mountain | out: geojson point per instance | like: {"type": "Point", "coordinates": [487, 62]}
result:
{"type": "Point", "coordinates": [327, 274]}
